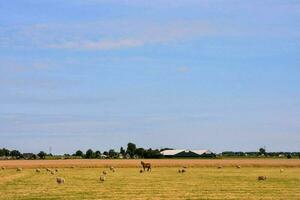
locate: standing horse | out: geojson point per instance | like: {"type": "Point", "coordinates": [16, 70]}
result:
{"type": "Point", "coordinates": [146, 166]}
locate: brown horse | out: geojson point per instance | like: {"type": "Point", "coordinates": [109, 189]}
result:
{"type": "Point", "coordinates": [146, 166]}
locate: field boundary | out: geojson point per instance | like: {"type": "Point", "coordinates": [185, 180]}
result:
{"type": "Point", "coordinates": [82, 163]}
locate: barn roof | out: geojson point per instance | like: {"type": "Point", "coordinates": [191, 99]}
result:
{"type": "Point", "coordinates": [172, 152]}
{"type": "Point", "coordinates": [177, 151]}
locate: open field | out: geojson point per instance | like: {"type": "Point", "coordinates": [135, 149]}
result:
{"type": "Point", "coordinates": [201, 181]}
{"type": "Point", "coordinates": [161, 183]}
{"type": "Point", "coordinates": [155, 163]}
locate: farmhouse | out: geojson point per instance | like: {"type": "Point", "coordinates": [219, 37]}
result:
{"type": "Point", "coordinates": [185, 153]}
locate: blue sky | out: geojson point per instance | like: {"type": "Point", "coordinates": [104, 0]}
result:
{"type": "Point", "coordinates": [222, 75]}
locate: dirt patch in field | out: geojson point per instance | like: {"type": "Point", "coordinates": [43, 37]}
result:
{"type": "Point", "coordinates": [154, 162]}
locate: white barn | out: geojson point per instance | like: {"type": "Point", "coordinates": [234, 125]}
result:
{"type": "Point", "coordinates": [180, 153]}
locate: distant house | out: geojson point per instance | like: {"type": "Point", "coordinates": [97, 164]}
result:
{"type": "Point", "coordinates": [184, 153]}
{"type": "Point", "coordinates": [29, 156]}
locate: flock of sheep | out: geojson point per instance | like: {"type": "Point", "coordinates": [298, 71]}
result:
{"type": "Point", "coordinates": [102, 178]}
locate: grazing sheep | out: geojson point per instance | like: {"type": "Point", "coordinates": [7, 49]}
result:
{"type": "Point", "coordinates": [220, 167]}
{"type": "Point", "coordinates": [19, 169]}
{"type": "Point", "coordinates": [60, 180]}
{"type": "Point", "coordinates": [262, 178]}
{"type": "Point", "coordinates": [181, 171]}
{"type": "Point", "coordinates": [184, 167]}
{"type": "Point", "coordinates": [48, 170]}
{"type": "Point", "coordinates": [3, 168]}
{"type": "Point", "coordinates": [104, 172]}
{"type": "Point", "coordinates": [38, 170]}
{"type": "Point", "coordinates": [238, 167]}
{"type": "Point", "coordinates": [102, 178]}
{"type": "Point", "coordinates": [52, 172]}
{"type": "Point", "coordinates": [141, 171]}
{"type": "Point", "coordinates": [56, 170]}
{"type": "Point", "coordinates": [281, 170]}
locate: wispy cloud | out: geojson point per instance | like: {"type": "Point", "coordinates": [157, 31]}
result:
{"type": "Point", "coordinates": [98, 45]}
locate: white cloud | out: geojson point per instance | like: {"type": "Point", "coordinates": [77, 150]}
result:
{"type": "Point", "coordinates": [98, 45]}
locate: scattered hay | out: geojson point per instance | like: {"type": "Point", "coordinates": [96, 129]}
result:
{"type": "Point", "coordinates": [262, 178]}
{"type": "Point", "coordinates": [181, 170]}
{"type": "Point", "coordinates": [102, 178]}
{"type": "Point", "coordinates": [60, 180]}
{"type": "Point", "coordinates": [111, 168]}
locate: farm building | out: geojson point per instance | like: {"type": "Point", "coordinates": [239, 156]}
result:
{"type": "Point", "coordinates": [185, 153]}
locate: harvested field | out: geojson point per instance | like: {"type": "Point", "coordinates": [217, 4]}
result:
{"type": "Point", "coordinates": [161, 183]}
{"type": "Point", "coordinates": [154, 162]}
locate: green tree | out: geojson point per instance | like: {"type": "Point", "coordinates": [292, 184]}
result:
{"type": "Point", "coordinates": [262, 151]}
{"type": "Point", "coordinates": [122, 151]}
{"type": "Point", "coordinates": [89, 154]}
{"type": "Point", "coordinates": [112, 153]}
{"type": "Point", "coordinates": [131, 147]}
{"type": "Point", "coordinates": [4, 152]}
{"type": "Point", "coordinates": [42, 155]}
{"type": "Point", "coordinates": [15, 154]}
{"type": "Point", "coordinates": [97, 154]}
{"type": "Point", "coordinates": [79, 153]}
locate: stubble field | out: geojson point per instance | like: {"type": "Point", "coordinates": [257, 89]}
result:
{"type": "Point", "coordinates": [203, 180]}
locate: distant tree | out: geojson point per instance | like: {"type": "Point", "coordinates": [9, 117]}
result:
{"type": "Point", "coordinates": [140, 152]}
{"type": "Point", "coordinates": [289, 156]}
{"type": "Point", "coordinates": [262, 151]}
{"type": "Point", "coordinates": [15, 154]}
{"type": "Point", "coordinates": [105, 153]}
{"type": "Point", "coordinates": [79, 153]}
{"type": "Point", "coordinates": [112, 153]}
{"type": "Point", "coordinates": [97, 154]}
{"type": "Point", "coordinates": [89, 154]}
{"type": "Point", "coordinates": [4, 152]}
{"type": "Point", "coordinates": [131, 147]}
{"type": "Point", "coordinates": [42, 155]}
{"type": "Point", "coordinates": [122, 151]}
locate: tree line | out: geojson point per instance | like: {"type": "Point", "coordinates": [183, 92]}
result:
{"type": "Point", "coordinates": [132, 151]}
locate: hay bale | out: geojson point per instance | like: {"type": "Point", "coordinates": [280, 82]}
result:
{"type": "Point", "coordinates": [19, 169]}
{"type": "Point", "coordinates": [111, 168]}
{"type": "Point", "coordinates": [281, 170]}
{"type": "Point", "coordinates": [262, 178]}
{"type": "Point", "coordinates": [37, 170]}
{"type": "Point", "coordinates": [60, 180]}
{"type": "Point", "coordinates": [102, 178]}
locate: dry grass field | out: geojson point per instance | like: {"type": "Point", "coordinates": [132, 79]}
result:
{"type": "Point", "coordinates": [203, 180]}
